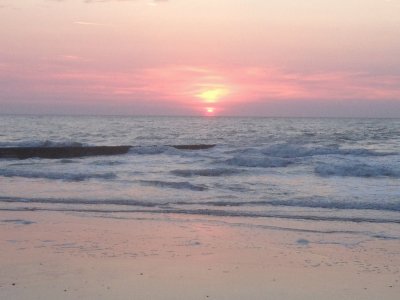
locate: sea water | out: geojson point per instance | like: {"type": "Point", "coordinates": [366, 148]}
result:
{"type": "Point", "coordinates": [310, 174]}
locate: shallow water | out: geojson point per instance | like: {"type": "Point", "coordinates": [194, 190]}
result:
{"type": "Point", "coordinates": [319, 172]}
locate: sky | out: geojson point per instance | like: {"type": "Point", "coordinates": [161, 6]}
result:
{"type": "Point", "coordinates": [320, 58]}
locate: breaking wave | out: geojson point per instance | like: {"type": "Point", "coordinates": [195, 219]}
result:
{"type": "Point", "coordinates": [286, 150]}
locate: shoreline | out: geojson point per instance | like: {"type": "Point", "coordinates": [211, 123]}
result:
{"type": "Point", "coordinates": [50, 255]}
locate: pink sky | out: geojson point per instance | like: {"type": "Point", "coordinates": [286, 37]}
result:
{"type": "Point", "coordinates": [201, 57]}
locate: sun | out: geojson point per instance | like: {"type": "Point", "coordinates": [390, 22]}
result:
{"type": "Point", "coordinates": [209, 111]}
{"type": "Point", "coordinates": [213, 95]}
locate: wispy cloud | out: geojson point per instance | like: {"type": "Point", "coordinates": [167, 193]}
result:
{"type": "Point", "coordinates": [6, 4]}
{"type": "Point", "coordinates": [149, 2]}
{"type": "Point", "coordinates": [90, 23]}
{"type": "Point", "coordinates": [102, 1]}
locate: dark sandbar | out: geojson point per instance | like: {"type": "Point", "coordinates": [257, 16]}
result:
{"type": "Point", "coordinates": [68, 152]}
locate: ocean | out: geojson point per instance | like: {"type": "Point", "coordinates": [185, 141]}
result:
{"type": "Point", "coordinates": [300, 174]}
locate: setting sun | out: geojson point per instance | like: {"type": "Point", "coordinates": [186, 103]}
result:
{"type": "Point", "coordinates": [210, 111]}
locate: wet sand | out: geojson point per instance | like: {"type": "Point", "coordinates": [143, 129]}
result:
{"type": "Point", "coordinates": [54, 255]}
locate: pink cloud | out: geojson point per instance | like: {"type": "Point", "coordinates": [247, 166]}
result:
{"type": "Point", "coordinates": [179, 86]}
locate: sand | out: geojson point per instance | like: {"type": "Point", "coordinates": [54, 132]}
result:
{"type": "Point", "coordinates": [56, 255]}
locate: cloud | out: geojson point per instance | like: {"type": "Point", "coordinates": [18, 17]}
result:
{"type": "Point", "coordinates": [102, 1]}
{"type": "Point", "coordinates": [252, 91]}
{"type": "Point", "coordinates": [9, 5]}
{"type": "Point", "coordinates": [89, 23]}
{"type": "Point", "coordinates": [245, 84]}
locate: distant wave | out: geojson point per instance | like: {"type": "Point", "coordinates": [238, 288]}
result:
{"type": "Point", "coordinates": [252, 161]}
{"type": "Point", "coordinates": [43, 143]}
{"type": "Point", "coordinates": [56, 175]}
{"type": "Point", "coordinates": [287, 150]}
{"type": "Point", "coordinates": [105, 163]}
{"type": "Point", "coordinates": [125, 202]}
{"type": "Point", "coordinates": [357, 170]}
{"type": "Point", "coordinates": [170, 149]}
{"type": "Point", "coordinates": [174, 185]}
{"type": "Point", "coordinates": [212, 172]}
{"type": "Point", "coordinates": [149, 150]}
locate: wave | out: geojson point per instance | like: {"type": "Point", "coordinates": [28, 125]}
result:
{"type": "Point", "coordinates": [205, 172]}
{"type": "Point", "coordinates": [43, 143]}
{"type": "Point", "coordinates": [171, 149]}
{"type": "Point", "coordinates": [67, 161]}
{"type": "Point", "coordinates": [165, 207]}
{"type": "Point", "coordinates": [107, 163]}
{"type": "Point", "coordinates": [342, 205]}
{"type": "Point", "coordinates": [56, 175]}
{"type": "Point", "coordinates": [285, 154]}
{"type": "Point", "coordinates": [357, 170]}
{"type": "Point", "coordinates": [174, 185]}
{"type": "Point", "coordinates": [286, 150]}
{"type": "Point", "coordinates": [125, 202]}
{"type": "Point", "coordinates": [253, 161]}
{"type": "Point", "coordinates": [301, 203]}
{"type": "Point", "coordinates": [149, 150]}
{"type": "Point", "coordinates": [214, 213]}
{"type": "Point", "coordinates": [194, 146]}
{"type": "Point", "coordinates": [18, 221]}
{"type": "Point", "coordinates": [306, 203]}
{"type": "Point", "coordinates": [224, 213]}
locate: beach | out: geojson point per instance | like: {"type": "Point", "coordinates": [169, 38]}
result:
{"type": "Point", "coordinates": [53, 255]}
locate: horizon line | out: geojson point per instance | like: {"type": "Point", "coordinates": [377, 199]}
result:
{"type": "Point", "coordinates": [191, 116]}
